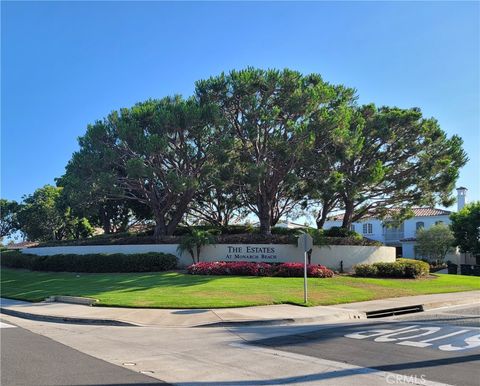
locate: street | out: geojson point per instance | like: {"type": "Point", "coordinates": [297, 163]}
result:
{"type": "Point", "coordinates": [31, 359]}
{"type": "Point", "coordinates": [434, 347]}
{"type": "Point", "coordinates": [441, 346]}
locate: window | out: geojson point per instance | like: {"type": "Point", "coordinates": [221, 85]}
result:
{"type": "Point", "coordinates": [438, 222]}
{"type": "Point", "coordinates": [352, 227]}
{"type": "Point", "coordinates": [367, 228]}
{"type": "Point", "coordinates": [419, 225]}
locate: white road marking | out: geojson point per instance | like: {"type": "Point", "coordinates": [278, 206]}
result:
{"type": "Point", "coordinates": [397, 336]}
{"type": "Point", "coordinates": [385, 375]}
{"type": "Point", "coordinates": [5, 325]}
{"type": "Point", "coordinates": [471, 341]}
{"type": "Point", "coordinates": [425, 343]}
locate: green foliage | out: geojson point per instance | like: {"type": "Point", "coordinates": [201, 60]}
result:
{"type": "Point", "coordinates": [86, 193]}
{"type": "Point", "coordinates": [44, 216]}
{"type": "Point", "coordinates": [466, 228]}
{"type": "Point", "coordinates": [286, 231]}
{"type": "Point", "coordinates": [157, 153]}
{"type": "Point", "coordinates": [145, 262]}
{"type": "Point", "coordinates": [270, 115]}
{"type": "Point", "coordinates": [341, 232]}
{"type": "Point", "coordinates": [434, 243]}
{"type": "Point", "coordinates": [379, 158]}
{"type": "Point", "coordinates": [271, 142]}
{"type": "Point", "coordinates": [194, 241]}
{"type": "Point", "coordinates": [402, 268]}
{"type": "Point", "coordinates": [366, 270]}
{"type": "Point", "coordinates": [8, 217]}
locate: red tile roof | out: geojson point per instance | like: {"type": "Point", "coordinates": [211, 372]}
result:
{"type": "Point", "coordinates": [418, 212]}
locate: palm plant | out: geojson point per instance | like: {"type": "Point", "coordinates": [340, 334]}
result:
{"type": "Point", "coordinates": [194, 241]}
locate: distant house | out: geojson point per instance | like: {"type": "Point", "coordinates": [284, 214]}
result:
{"type": "Point", "coordinates": [402, 237]}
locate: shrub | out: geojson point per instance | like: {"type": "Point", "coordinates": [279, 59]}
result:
{"type": "Point", "coordinates": [230, 268]}
{"type": "Point", "coordinates": [296, 270]}
{"type": "Point", "coordinates": [414, 268]}
{"type": "Point", "coordinates": [341, 232]}
{"type": "Point", "coordinates": [286, 231]}
{"type": "Point", "coordinates": [366, 270]}
{"type": "Point", "coordinates": [257, 269]}
{"type": "Point", "coordinates": [101, 263]}
{"type": "Point", "coordinates": [402, 268]}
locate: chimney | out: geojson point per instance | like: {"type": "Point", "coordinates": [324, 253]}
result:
{"type": "Point", "coordinates": [461, 198]}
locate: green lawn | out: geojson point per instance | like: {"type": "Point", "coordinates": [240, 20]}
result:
{"type": "Point", "coordinates": [177, 290]}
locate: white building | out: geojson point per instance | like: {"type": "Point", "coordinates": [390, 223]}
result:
{"type": "Point", "coordinates": [402, 237]}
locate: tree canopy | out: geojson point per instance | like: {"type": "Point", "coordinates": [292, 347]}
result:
{"type": "Point", "coordinates": [466, 228]}
{"type": "Point", "coordinates": [268, 142]}
{"type": "Point", "coordinates": [384, 158]}
{"type": "Point", "coordinates": [270, 115]}
{"type": "Point", "coordinates": [8, 217]}
{"type": "Point", "coordinates": [43, 216]}
{"type": "Point", "coordinates": [156, 153]}
{"type": "Point", "coordinates": [434, 243]}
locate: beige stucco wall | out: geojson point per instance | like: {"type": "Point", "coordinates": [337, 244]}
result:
{"type": "Point", "coordinates": [329, 256]}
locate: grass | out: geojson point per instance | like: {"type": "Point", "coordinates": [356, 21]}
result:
{"type": "Point", "coordinates": [178, 290]}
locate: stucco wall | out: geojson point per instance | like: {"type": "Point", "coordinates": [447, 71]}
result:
{"type": "Point", "coordinates": [329, 256]}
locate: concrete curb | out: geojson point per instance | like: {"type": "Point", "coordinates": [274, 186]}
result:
{"type": "Point", "coordinates": [65, 319]}
{"type": "Point", "coordinates": [342, 314]}
{"type": "Point", "coordinates": [277, 322]}
{"type": "Point", "coordinates": [459, 302]}
{"type": "Point", "coordinates": [71, 300]}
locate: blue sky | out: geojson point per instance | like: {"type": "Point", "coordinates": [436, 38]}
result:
{"type": "Point", "coordinates": [66, 64]}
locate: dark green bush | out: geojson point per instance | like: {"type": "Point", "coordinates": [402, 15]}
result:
{"type": "Point", "coordinates": [341, 232]}
{"type": "Point", "coordinates": [145, 262]}
{"type": "Point", "coordinates": [414, 268]}
{"type": "Point", "coordinates": [286, 231]}
{"type": "Point", "coordinates": [402, 268]}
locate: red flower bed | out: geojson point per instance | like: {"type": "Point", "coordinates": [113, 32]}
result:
{"type": "Point", "coordinates": [296, 270]}
{"type": "Point", "coordinates": [230, 268]}
{"type": "Point", "coordinates": [258, 269]}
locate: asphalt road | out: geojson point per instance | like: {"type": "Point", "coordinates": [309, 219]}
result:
{"type": "Point", "coordinates": [31, 359]}
{"type": "Point", "coordinates": [441, 346]}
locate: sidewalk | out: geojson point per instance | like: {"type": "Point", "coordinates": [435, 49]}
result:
{"type": "Point", "coordinates": [275, 314]}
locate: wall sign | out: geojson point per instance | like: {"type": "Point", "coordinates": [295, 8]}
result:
{"type": "Point", "coordinates": [250, 252]}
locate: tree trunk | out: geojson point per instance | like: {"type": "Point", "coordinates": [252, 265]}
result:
{"type": "Point", "coordinates": [180, 211]}
{"type": "Point", "coordinates": [347, 217]}
{"type": "Point", "coordinates": [264, 214]}
{"type": "Point", "coordinates": [160, 227]}
{"type": "Point", "coordinates": [199, 247]}
{"type": "Point", "coordinates": [321, 218]}
{"type": "Point", "coordinates": [107, 228]}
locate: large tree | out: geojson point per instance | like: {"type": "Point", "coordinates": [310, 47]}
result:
{"type": "Point", "coordinates": [43, 217]}
{"type": "Point", "coordinates": [8, 217]}
{"type": "Point", "coordinates": [466, 228]}
{"type": "Point", "coordinates": [85, 192]}
{"type": "Point", "coordinates": [156, 153]}
{"type": "Point", "coordinates": [269, 114]}
{"type": "Point", "coordinates": [434, 243]}
{"type": "Point", "coordinates": [384, 158]}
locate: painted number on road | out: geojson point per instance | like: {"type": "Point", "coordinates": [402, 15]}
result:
{"type": "Point", "coordinates": [444, 339]}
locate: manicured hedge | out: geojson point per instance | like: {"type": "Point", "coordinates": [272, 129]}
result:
{"type": "Point", "coordinates": [258, 269]}
{"type": "Point", "coordinates": [402, 268]}
{"type": "Point", "coordinates": [94, 263]}
{"type": "Point", "coordinates": [233, 234]}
